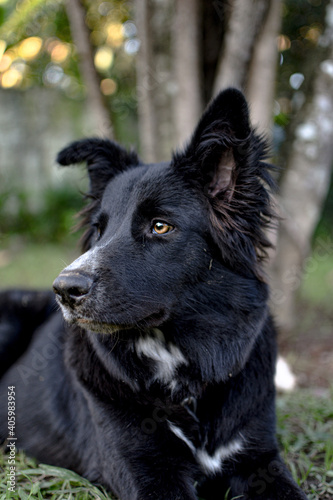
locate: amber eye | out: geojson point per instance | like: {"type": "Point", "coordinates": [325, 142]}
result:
{"type": "Point", "coordinates": [160, 227]}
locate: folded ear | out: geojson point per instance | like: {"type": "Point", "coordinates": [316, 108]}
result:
{"type": "Point", "coordinates": [104, 160]}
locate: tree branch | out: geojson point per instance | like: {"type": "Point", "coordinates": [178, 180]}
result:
{"type": "Point", "coordinates": [243, 28]}
{"type": "Point", "coordinates": [187, 103]}
{"type": "Point", "coordinates": [260, 87]}
{"type": "Point", "coordinates": [80, 33]}
{"type": "Point", "coordinates": [145, 84]}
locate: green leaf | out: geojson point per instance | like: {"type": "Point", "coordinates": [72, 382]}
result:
{"type": "Point", "coordinates": [20, 16]}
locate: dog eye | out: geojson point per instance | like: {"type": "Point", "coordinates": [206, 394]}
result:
{"type": "Point", "coordinates": [97, 231]}
{"type": "Point", "coordinates": [99, 225]}
{"type": "Point", "coordinates": [161, 227]}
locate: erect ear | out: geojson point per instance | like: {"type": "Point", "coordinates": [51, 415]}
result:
{"type": "Point", "coordinates": [225, 160]}
{"type": "Point", "coordinates": [217, 144]}
{"type": "Point", "coordinates": [104, 160]}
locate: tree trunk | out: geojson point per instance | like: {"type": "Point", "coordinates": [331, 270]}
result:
{"type": "Point", "coordinates": [80, 33]}
{"type": "Point", "coordinates": [145, 83]}
{"type": "Point", "coordinates": [187, 101]}
{"type": "Point", "coordinates": [260, 88]}
{"type": "Point", "coordinates": [243, 28]}
{"type": "Point", "coordinates": [303, 191]}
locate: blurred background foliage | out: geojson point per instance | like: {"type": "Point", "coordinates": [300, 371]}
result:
{"type": "Point", "coordinates": [44, 95]}
{"type": "Point", "coordinates": [37, 50]}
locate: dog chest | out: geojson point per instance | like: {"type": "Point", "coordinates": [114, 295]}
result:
{"type": "Point", "coordinates": [165, 357]}
{"type": "Point", "coordinates": [210, 463]}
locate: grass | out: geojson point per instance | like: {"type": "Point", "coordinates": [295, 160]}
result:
{"type": "Point", "coordinates": [317, 284]}
{"type": "Point", "coordinates": [34, 265]}
{"type": "Point", "coordinates": [305, 433]}
{"type": "Point", "coordinates": [36, 482]}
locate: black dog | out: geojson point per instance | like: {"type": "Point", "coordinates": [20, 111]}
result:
{"type": "Point", "coordinates": [161, 386]}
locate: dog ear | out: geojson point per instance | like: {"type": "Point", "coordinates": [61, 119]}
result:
{"type": "Point", "coordinates": [217, 144]}
{"type": "Point", "coordinates": [225, 161]}
{"type": "Point", "coordinates": [104, 160]}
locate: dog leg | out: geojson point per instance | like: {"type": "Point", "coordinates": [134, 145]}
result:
{"type": "Point", "coordinates": [21, 313]}
{"type": "Point", "coordinates": [266, 478]}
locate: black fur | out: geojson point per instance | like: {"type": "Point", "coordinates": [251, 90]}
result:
{"type": "Point", "coordinates": [161, 384]}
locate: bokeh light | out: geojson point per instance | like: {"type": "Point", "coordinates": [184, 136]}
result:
{"type": "Point", "coordinates": [296, 80]}
{"type": "Point", "coordinates": [283, 43]}
{"type": "Point", "coordinates": [5, 62]}
{"type": "Point", "coordinates": [108, 86]}
{"type": "Point", "coordinates": [30, 47]}
{"type": "Point", "coordinates": [115, 34]}
{"type": "Point", "coordinates": [11, 78]}
{"type": "Point", "coordinates": [60, 52]}
{"type": "Point", "coordinates": [103, 58]}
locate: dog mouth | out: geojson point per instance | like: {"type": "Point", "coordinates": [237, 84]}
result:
{"type": "Point", "coordinates": [91, 324]}
{"type": "Point", "coordinates": [99, 327]}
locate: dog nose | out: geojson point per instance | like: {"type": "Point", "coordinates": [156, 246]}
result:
{"type": "Point", "coordinates": [72, 287]}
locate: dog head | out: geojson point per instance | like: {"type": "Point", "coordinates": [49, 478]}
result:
{"type": "Point", "coordinates": [153, 231]}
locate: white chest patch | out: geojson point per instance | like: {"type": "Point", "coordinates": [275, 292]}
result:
{"type": "Point", "coordinates": [213, 463]}
{"type": "Point", "coordinates": [167, 357]}
{"type": "Point", "coordinates": [210, 464]}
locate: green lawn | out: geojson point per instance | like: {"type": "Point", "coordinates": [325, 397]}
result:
{"type": "Point", "coordinates": [305, 433]}
{"type": "Point", "coordinates": [39, 482]}
{"type": "Point", "coordinates": [317, 285]}
{"type": "Point", "coordinates": [34, 265]}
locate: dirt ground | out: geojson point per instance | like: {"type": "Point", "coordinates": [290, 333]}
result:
{"type": "Point", "coordinates": [309, 347]}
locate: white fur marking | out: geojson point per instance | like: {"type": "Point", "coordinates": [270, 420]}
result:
{"type": "Point", "coordinates": [212, 463]}
{"type": "Point", "coordinates": [86, 261]}
{"type": "Point", "coordinates": [179, 433]}
{"type": "Point", "coordinates": [67, 315]}
{"type": "Point", "coordinates": [167, 357]}
{"type": "Point", "coordinates": [173, 385]}
{"type": "Point", "coordinates": [209, 463]}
